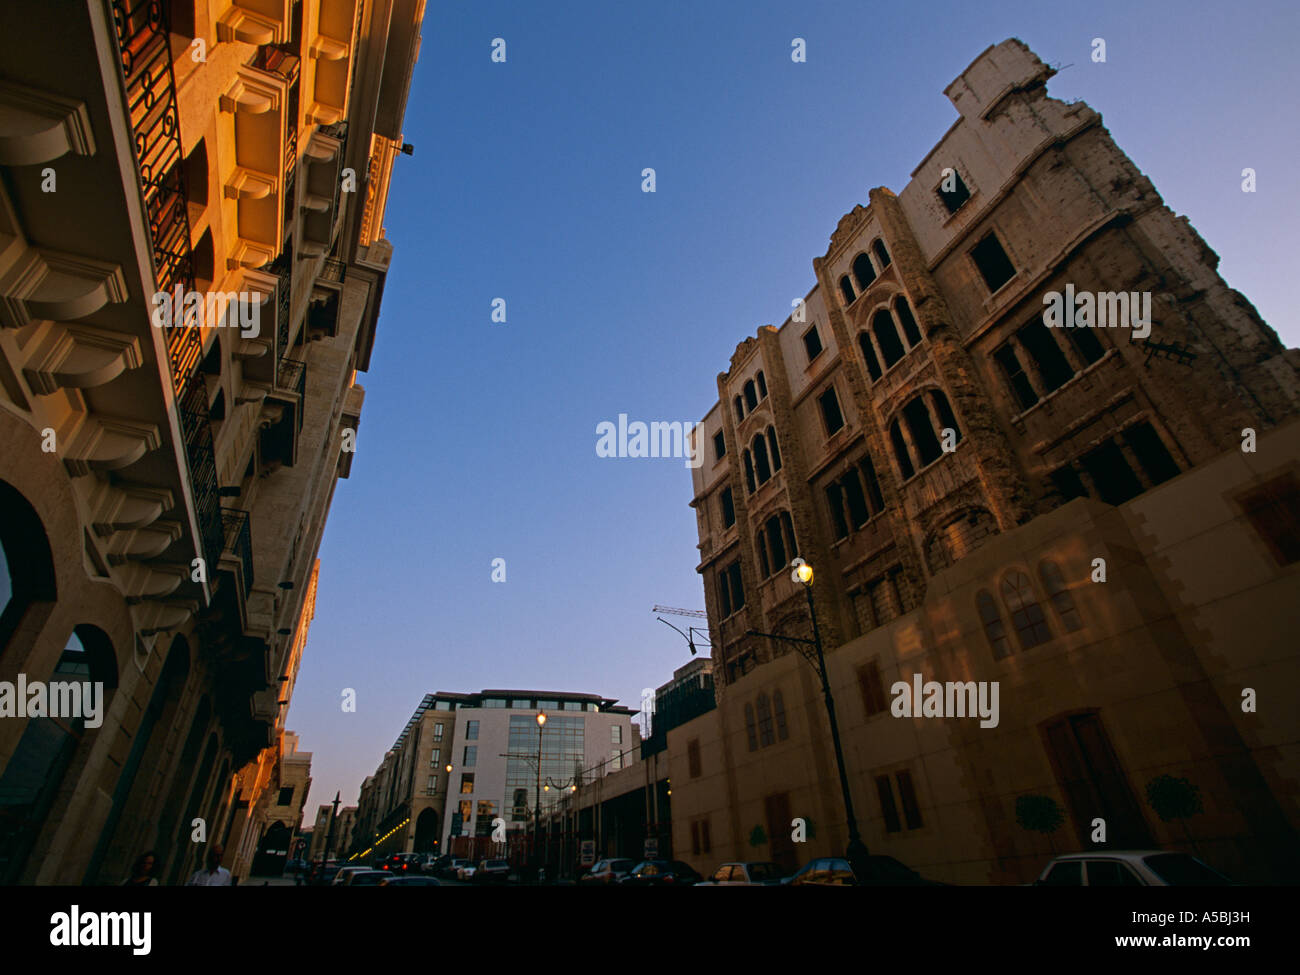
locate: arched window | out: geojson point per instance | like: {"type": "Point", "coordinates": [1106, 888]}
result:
{"type": "Point", "coordinates": [882, 255]}
{"type": "Point", "coordinates": [778, 705]}
{"type": "Point", "coordinates": [749, 727]}
{"type": "Point", "coordinates": [1059, 593]}
{"type": "Point", "coordinates": [900, 451]}
{"type": "Point", "coordinates": [994, 629]}
{"type": "Point", "coordinates": [863, 271]}
{"type": "Point", "coordinates": [751, 397]}
{"type": "Point", "coordinates": [765, 736]}
{"type": "Point", "coordinates": [903, 311]}
{"type": "Point", "coordinates": [882, 324]}
{"type": "Point", "coordinates": [740, 410]}
{"type": "Point", "coordinates": [921, 427]}
{"type": "Point", "coordinates": [947, 419]}
{"type": "Point", "coordinates": [788, 526]}
{"type": "Point", "coordinates": [773, 450]}
{"type": "Point", "coordinates": [869, 354]}
{"type": "Point", "coordinates": [764, 563]}
{"type": "Point", "coordinates": [749, 472]}
{"type": "Point", "coordinates": [775, 543]}
{"type": "Point", "coordinates": [759, 447]}
{"type": "Point", "coordinates": [846, 288]}
{"type": "Point", "coordinates": [1026, 615]}
{"type": "Point", "coordinates": [762, 385]}
{"type": "Point", "coordinates": [28, 579]}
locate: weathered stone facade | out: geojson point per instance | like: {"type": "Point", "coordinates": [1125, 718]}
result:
{"type": "Point", "coordinates": [927, 319]}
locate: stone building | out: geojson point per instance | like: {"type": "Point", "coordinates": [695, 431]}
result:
{"type": "Point", "coordinates": [953, 468]}
{"type": "Point", "coordinates": [166, 467]}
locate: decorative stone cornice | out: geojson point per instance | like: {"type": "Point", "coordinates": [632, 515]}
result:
{"type": "Point", "coordinates": [36, 126]}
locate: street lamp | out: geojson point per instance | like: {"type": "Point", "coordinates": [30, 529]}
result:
{"type": "Point", "coordinates": [857, 850]}
{"type": "Point", "coordinates": [537, 805]}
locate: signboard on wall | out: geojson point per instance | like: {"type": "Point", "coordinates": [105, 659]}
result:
{"type": "Point", "coordinates": [651, 848]}
{"type": "Point", "coordinates": [588, 852]}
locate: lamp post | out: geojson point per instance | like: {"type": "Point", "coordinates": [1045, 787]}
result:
{"type": "Point", "coordinates": [537, 805]}
{"type": "Point", "coordinates": [329, 834]}
{"type": "Point", "coordinates": [569, 786]}
{"type": "Point", "coordinates": [857, 850]}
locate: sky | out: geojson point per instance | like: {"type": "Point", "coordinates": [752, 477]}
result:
{"type": "Point", "coordinates": [477, 439]}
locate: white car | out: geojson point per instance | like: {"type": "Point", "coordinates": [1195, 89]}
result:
{"type": "Point", "coordinates": [1129, 868]}
{"type": "Point", "coordinates": [466, 873]}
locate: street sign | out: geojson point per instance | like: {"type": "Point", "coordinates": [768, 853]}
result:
{"type": "Point", "coordinates": [651, 849]}
{"type": "Point", "coordinates": [588, 852]}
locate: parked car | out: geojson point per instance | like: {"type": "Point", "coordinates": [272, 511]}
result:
{"type": "Point", "coordinates": [746, 874]}
{"type": "Point", "coordinates": [451, 869]}
{"type": "Point", "coordinates": [661, 873]}
{"type": "Point", "coordinates": [466, 871]}
{"type": "Point", "coordinates": [1129, 868]}
{"type": "Point", "coordinates": [415, 880]}
{"type": "Point", "coordinates": [492, 872]}
{"type": "Point", "coordinates": [343, 873]}
{"type": "Point", "coordinates": [323, 876]}
{"type": "Point", "coordinates": [367, 878]}
{"type": "Point", "coordinates": [431, 863]}
{"type": "Point", "coordinates": [607, 872]}
{"type": "Point", "coordinates": [882, 871]}
{"type": "Point", "coordinates": [399, 863]}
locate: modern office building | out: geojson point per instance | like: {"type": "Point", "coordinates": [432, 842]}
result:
{"type": "Point", "coordinates": [464, 760]}
{"type": "Point", "coordinates": [192, 260]}
{"type": "Point", "coordinates": [1098, 522]}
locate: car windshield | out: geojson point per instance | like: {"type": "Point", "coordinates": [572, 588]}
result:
{"type": "Point", "coordinates": [1181, 870]}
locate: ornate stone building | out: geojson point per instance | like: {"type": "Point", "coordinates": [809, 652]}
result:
{"type": "Point", "coordinates": [164, 483]}
{"type": "Point", "coordinates": [952, 467]}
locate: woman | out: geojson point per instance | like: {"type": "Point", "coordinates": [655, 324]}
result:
{"type": "Point", "coordinates": [142, 872]}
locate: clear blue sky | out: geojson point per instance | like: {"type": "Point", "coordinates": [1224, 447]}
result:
{"type": "Point", "coordinates": [478, 440]}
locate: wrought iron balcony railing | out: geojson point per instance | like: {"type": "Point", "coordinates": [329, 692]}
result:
{"type": "Point", "coordinates": [197, 431]}
{"type": "Point", "coordinates": [239, 542]}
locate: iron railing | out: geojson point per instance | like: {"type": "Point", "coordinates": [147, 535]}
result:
{"type": "Point", "coordinates": [239, 542]}
{"type": "Point", "coordinates": [150, 84]}
{"type": "Point", "coordinates": [333, 271]}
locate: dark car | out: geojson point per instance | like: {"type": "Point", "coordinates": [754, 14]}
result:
{"type": "Point", "coordinates": [323, 876]}
{"type": "Point", "coordinates": [661, 873]}
{"type": "Point", "coordinates": [367, 878]}
{"type": "Point", "coordinates": [607, 872]}
{"type": "Point", "coordinates": [1129, 868]}
{"type": "Point", "coordinates": [400, 863]}
{"type": "Point", "coordinates": [881, 871]}
{"type": "Point", "coordinates": [433, 865]}
{"type": "Point", "coordinates": [409, 881]}
{"type": "Point", "coordinates": [450, 869]}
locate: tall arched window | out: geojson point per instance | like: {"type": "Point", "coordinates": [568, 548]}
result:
{"type": "Point", "coordinates": [905, 318]}
{"type": "Point", "coordinates": [994, 629]}
{"type": "Point", "coordinates": [765, 735]}
{"type": "Point", "coordinates": [905, 467]}
{"type": "Point", "coordinates": [943, 411]}
{"type": "Point", "coordinates": [775, 543]}
{"type": "Point", "coordinates": [740, 409]}
{"type": "Point", "coordinates": [762, 385]}
{"type": "Point", "coordinates": [749, 473]}
{"type": "Point", "coordinates": [869, 354]}
{"type": "Point", "coordinates": [28, 580]}
{"type": "Point", "coordinates": [882, 255]}
{"type": "Point", "coordinates": [778, 706]}
{"type": "Point", "coordinates": [773, 450]}
{"type": "Point", "coordinates": [751, 396]}
{"type": "Point", "coordinates": [846, 289]}
{"type": "Point", "coordinates": [788, 526]}
{"type": "Point", "coordinates": [764, 563]}
{"type": "Point", "coordinates": [882, 325]}
{"type": "Point", "coordinates": [863, 271]}
{"type": "Point", "coordinates": [1026, 615]}
{"type": "Point", "coordinates": [761, 467]}
{"type": "Point", "coordinates": [1059, 593]}
{"type": "Point", "coordinates": [921, 427]}
{"type": "Point", "coordinates": [750, 730]}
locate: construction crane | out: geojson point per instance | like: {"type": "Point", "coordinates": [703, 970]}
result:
{"type": "Point", "coordinates": [692, 631]}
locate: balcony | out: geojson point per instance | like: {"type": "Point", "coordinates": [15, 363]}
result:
{"type": "Point", "coordinates": [283, 414]}
{"type": "Point", "coordinates": [237, 554]}
{"type": "Point", "coordinates": [330, 31]}
{"type": "Point", "coordinates": [322, 165]}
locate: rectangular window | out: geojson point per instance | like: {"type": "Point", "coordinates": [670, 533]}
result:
{"type": "Point", "coordinates": [573, 705]}
{"type": "Point", "coordinates": [858, 512]}
{"type": "Point", "coordinates": [873, 485]}
{"type": "Point", "coordinates": [835, 499]}
{"type": "Point", "coordinates": [719, 445]}
{"type": "Point", "coordinates": [1115, 480]}
{"type": "Point", "coordinates": [706, 841]}
{"type": "Point", "coordinates": [693, 757]}
{"type": "Point", "coordinates": [466, 783]}
{"type": "Point", "coordinates": [494, 702]}
{"type": "Point", "coordinates": [732, 592]}
{"type": "Point", "coordinates": [435, 758]}
{"type": "Point", "coordinates": [830, 404]}
{"type": "Point", "coordinates": [1016, 376]}
{"type": "Point", "coordinates": [521, 704]}
{"type": "Point", "coordinates": [1086, 344]}
{"type": "Point", "coordinates": [728, 508]}
{"type": "Point", "coordinates": [953, 198]}
{"type": "Point", "coordinates": [616, 759]}
{"type": "Point", "coordinates": [922, 430]}
{"type": "Point", "coordinates": [1053, 367]}
{"type": "Point", "coordinates": [1151, 453]}
{"type": "Point", "coordinates": [466, 811]}
{"type": "Point", "coordinates": [616, 734]}
{"type": "Point", "coordinates": [887, 807]}
{"type": "Point", "coordinates": [286, 796]}
{"type": "Point", "coordinates": [548, 705]}
{"type": "Point", "coordinates": [812, 343]}
{"type": "Point", "coordinates": [1273, 510]}
{"type": "Point", "coordinates": [1066, 480]}
{"type": "Point", "coordinates": [471, 730]}
{"type": "Point", "coordinates": [487, 809]}
{"type": "Point", "coordinates": [994, 265]}
{"type": "Point", "coordinates": [873, 690]}
{"type": "Point", "coordinates": [907, 794]}
{"type": "Point", "coordinates": [471, 756]}
{"type": "Point", "coordinates": [437, 731]}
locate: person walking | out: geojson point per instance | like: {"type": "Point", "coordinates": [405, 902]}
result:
{"type": "Point", "coordinates": [142, 871]}
{"type": "Point", "coordinates": [214, 874]}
